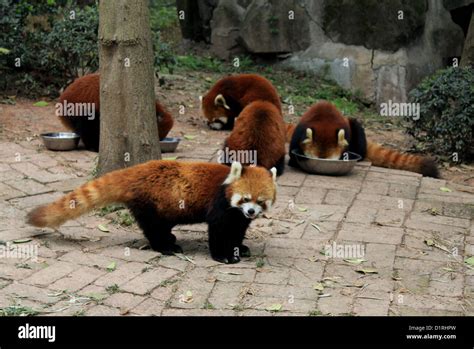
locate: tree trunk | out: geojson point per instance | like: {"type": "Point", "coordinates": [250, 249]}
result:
{"type": "Point", "coordinates": [467, 57]}
{"type": "Point", "coordinates": [128, 126]}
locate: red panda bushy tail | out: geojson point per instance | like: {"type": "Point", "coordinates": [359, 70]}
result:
{"type": "Point", "coordinates": [384, 157]}
{"type": "Point", "coordinates": [110, 188]}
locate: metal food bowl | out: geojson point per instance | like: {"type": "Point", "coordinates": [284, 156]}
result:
{"type": "Point", "coordinates": [60, 140]}
{"type": "Point", "coordinates": [169, 145]}
{"type": "Point", "coordinates": [327, 166]}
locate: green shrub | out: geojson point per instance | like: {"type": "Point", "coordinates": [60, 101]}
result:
{"type": "Point", "coordinates": [446, 123]}
{"type": "Point", "coordinates": [54, 48]}
{"type": "Point", "coordinates": [51, 43]}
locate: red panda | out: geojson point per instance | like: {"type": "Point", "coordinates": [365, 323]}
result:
{"type": "Point", "coordinates": [323, 132]}
{"type": "Point", "coordinates": [164, 193]}
{"type": "Point", "coordinates": [260, 131]}
{"type": "Point", "coordinates": [86, 89]}
{"type": "Point", "coordinates": [226, 99]}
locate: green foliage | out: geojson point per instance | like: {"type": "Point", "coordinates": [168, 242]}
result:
{"type": "Point", "coordinates": [50, 43]}
{"type": "Point", "coordinates": [446, 123]}
{"type": "Point", "coordinates": [163, 15]}
{"type": "Point", "coordinates": [198, 63]}
{"type": "Point", "coordinates": [55, 45]}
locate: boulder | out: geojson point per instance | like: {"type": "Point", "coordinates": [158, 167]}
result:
{"type": "Point", "coordinates": [274, 26]}
{"type": "Point", "coordinates": [225, 27]}
{"type": "Point", "coordinates": [374, 24]}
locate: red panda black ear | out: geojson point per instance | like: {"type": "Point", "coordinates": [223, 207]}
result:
{"type": "Point", "coordinates": [220, 101]}
{"type": "Point", "coordinates": [235, 173]}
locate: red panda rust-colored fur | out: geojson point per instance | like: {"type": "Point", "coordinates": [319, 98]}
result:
{"type": "Point", "coordinates": [323, 132]}
{"type": "Point", "coordinates": [259, 129]}
{"type": "Point", "coordinates": [86, 89]}
{"type": "Point", "coordinates": [230, 95]}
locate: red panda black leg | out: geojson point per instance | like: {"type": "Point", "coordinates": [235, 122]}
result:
{"type": "Point", "coordinates": [162, 240]}
{"type": "Point", "coordinates": [227, 227]}
{"type": "Point", "coordinates": [89, 130]}
{"type": "Point", "coordinates": [280, 166]}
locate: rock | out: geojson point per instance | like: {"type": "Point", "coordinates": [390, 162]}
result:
{"type": "Point", "coordinates": [273, 26]}
{"type": "Point", "coordinates": [468, 50]}
{"type": "Point", "coordinates": [225, 27]}
{"type": "Point", "coordinates": [374, 24]}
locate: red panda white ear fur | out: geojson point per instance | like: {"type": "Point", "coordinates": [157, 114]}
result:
{"type": "Point", "coordinates": [273, 170]}
{"type": "Point", "coordinates": [341, 140]}
{"type": "Point", "coordinates": [235, 173]}
{"type": "Point", "coordinates": [220, 100]}
{"type": "Point", "coordinates": [309, 136]}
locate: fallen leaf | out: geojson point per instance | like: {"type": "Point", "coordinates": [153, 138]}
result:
{"type": "Point", "coordinates": [315, 226]}
{"type": "Point", "coordinates": [171, 158]}
{"type": "Point", "coordinates": [112, 266]}
{"type": "Point", "coordinates": [302, 209]}
{"type": "Point", "coordinates": [189, 137]}
{"type": "Point", "coordinates": [103, 228]}
{"type": "Point", "coordinates": [354, 260]}
{"type": "Point", "coordinates": [448, 269]}
{"type": "Point", "coordinates": [324, 295]}
{"type": "Point", "coordinates": [367, 271]}
{"type": "Point", "coordinates": [41, 104]}
{"type": "Point", "coordinates": [319, 287]}
{"type": "Point", "coordinates": [445, 190]}
{"type": "Point", "coordinates": [274, 307]}
{"type": "Point", "coordinates": [469, 261]}
{"type": "Point", "coordinates": [21, 241]}
{"type": "Point", "coordinates": [429, 242]}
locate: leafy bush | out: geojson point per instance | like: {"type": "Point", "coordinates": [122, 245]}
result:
{"type": "Point", "coordinates": [55, 46]}
{"type": "Point", "coordinates": [446, 123]}
{"type": "Point", "coordinates": [45, 45]}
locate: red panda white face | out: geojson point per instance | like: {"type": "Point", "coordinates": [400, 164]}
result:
{"type": "Point", "coordinates": [215, 111]}
{"type": "Point", "coordinates": [253, 191]}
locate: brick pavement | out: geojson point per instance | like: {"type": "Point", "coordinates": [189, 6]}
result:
{"type": "Point", "coordinates": [413, 235]}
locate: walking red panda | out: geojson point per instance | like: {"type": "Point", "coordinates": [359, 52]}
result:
{"type": "Point", "coordinates": [164, 193]}
{"type": "Point", "coordinates": [323, 132]}
{"type": "Point", "coordinates": [259, 133]}
{"type": "Point", "coordinates": [226, 99]}
{"type": "Point", "coordinates": [86, 89]}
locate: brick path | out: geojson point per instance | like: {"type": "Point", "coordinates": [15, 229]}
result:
{"type": "Point", "coordinates": [414, 236]}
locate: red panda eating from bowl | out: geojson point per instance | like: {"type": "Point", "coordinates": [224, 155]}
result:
{"type": "Point", "coordinates": [86, 89]}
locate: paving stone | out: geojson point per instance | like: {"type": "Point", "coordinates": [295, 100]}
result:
{"type": "Point", "coordinates": [197, 312]}
{"type": "Point", "coordinates": [123, 300]}
{"type": "Point", "coordinates": [313, 196]}
{"type": "Point", "coordinates": [339, 197]}
{"type": "Point", "coordinates": [149, 307]}
{"type": "Point", "coordinates": [194, 290]}
{"type": "Point", "coordinates": [18, 290]}
{"type": "Point", "coordinates": [102, 310]}
{"type": "Point", "coordinates": [28, 186]}
{"type": "Point", "coordinates": [226, 295]}
{"type": "Point", "coordinates": [369, 233]}
{"type": "Point", "coordinates": [148, 280]}
{"type": "Point", "coordinates": [121, 275]}
{"type": "Point", "coordinates": [50, 274]}
{"type": "Point", "coordinates": [129, 254]}
{"type": "Point", "coordinates": [272, 275]}
{"type": "Point", "coordinates": [77, 279]}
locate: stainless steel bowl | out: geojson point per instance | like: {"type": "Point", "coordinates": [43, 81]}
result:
{"type": "Point", "coordinates": [327, 166]}
{"type": "Point", "coordinates": [169, 145]}
{"type": "Point", "coordinates": [60, 140]}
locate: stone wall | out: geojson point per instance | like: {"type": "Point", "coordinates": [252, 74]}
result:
{"type": "Point", "coordinates": [362, 45]}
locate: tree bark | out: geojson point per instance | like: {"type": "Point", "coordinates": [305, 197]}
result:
{"type": "Point", "coordinates": [467, 57]}
{"type": "Point", "coordinates": [128, 126]}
